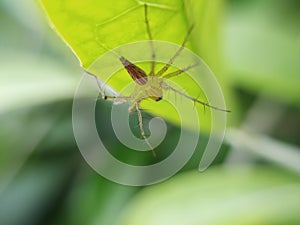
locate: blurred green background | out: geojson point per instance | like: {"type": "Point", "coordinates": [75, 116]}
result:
{"type": "Point", "coordinates": [254, 180]}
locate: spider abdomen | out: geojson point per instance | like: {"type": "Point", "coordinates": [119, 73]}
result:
{"type": "Point", "coordinates": [137, 74]}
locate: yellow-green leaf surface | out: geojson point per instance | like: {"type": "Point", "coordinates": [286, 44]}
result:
{"type": "Point", "coordinates": [220, 196]}
{"type": "Point", "coordinates": [88, 26]}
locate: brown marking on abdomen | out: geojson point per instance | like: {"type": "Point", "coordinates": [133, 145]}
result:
{"type": "Point", "coordinates": [136, 73]}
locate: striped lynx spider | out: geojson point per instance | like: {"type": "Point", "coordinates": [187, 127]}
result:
{"type": "Point", "coordinates": [152, 85]}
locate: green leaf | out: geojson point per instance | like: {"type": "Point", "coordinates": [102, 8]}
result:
{"type": "Point", "coordinates": [85, 25]}
{"type": "Point", "coordinates": [37, 86]}
{"type": "Point", "coordinates": [31, 192]}
{"type": "Point", "coordinates": [262, 48]}
{"type": "Point", "coordinates": [219, 196]}
{"type": "Point", "coordinates": [88, 26]}
{"type": "Point", "coordinates": [102, 200]}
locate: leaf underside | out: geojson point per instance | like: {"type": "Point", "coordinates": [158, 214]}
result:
{"type": "Point", "coordinates": [91, 27]}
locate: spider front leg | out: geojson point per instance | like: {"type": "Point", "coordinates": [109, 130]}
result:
{"type": "Point", "coordinates": [177, 53]}
{"type": "Point", "coordinates": [180, 71]}
{"type": "Point", "coordinates": [116, 99]}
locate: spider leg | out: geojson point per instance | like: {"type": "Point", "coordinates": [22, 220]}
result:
{"type": "Point", "coordinates": [121, 100]}
{"type": "Point", "coordinates": [178, 72]}
{"type": "Point", "coordinates": [99, 85]}
{"type": "Point", "coordinates": [116, 99]}
{"type": "Point", "coordinates": [195, 100]}
{"type": "Point", "coordinates": [177, 53]}
{"type": "Point", "coordinates": [151, 41]}
{"type": "Point", "coordinates": [137, 106]}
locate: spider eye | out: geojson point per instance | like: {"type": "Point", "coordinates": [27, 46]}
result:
{"type": "Point", "coordinates": [158, 99]}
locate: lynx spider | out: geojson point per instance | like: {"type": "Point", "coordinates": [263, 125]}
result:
{"type": "Point", "coordinates": [151, 85]}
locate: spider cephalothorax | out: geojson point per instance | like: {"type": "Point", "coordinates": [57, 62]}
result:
{"type": "Point", "coordinates": [147, 86]}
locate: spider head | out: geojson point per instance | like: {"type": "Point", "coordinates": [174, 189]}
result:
{"type": "Point", "coordinates": [158, 98]}
{"type": "Point", "coordinates": [153, 89]}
